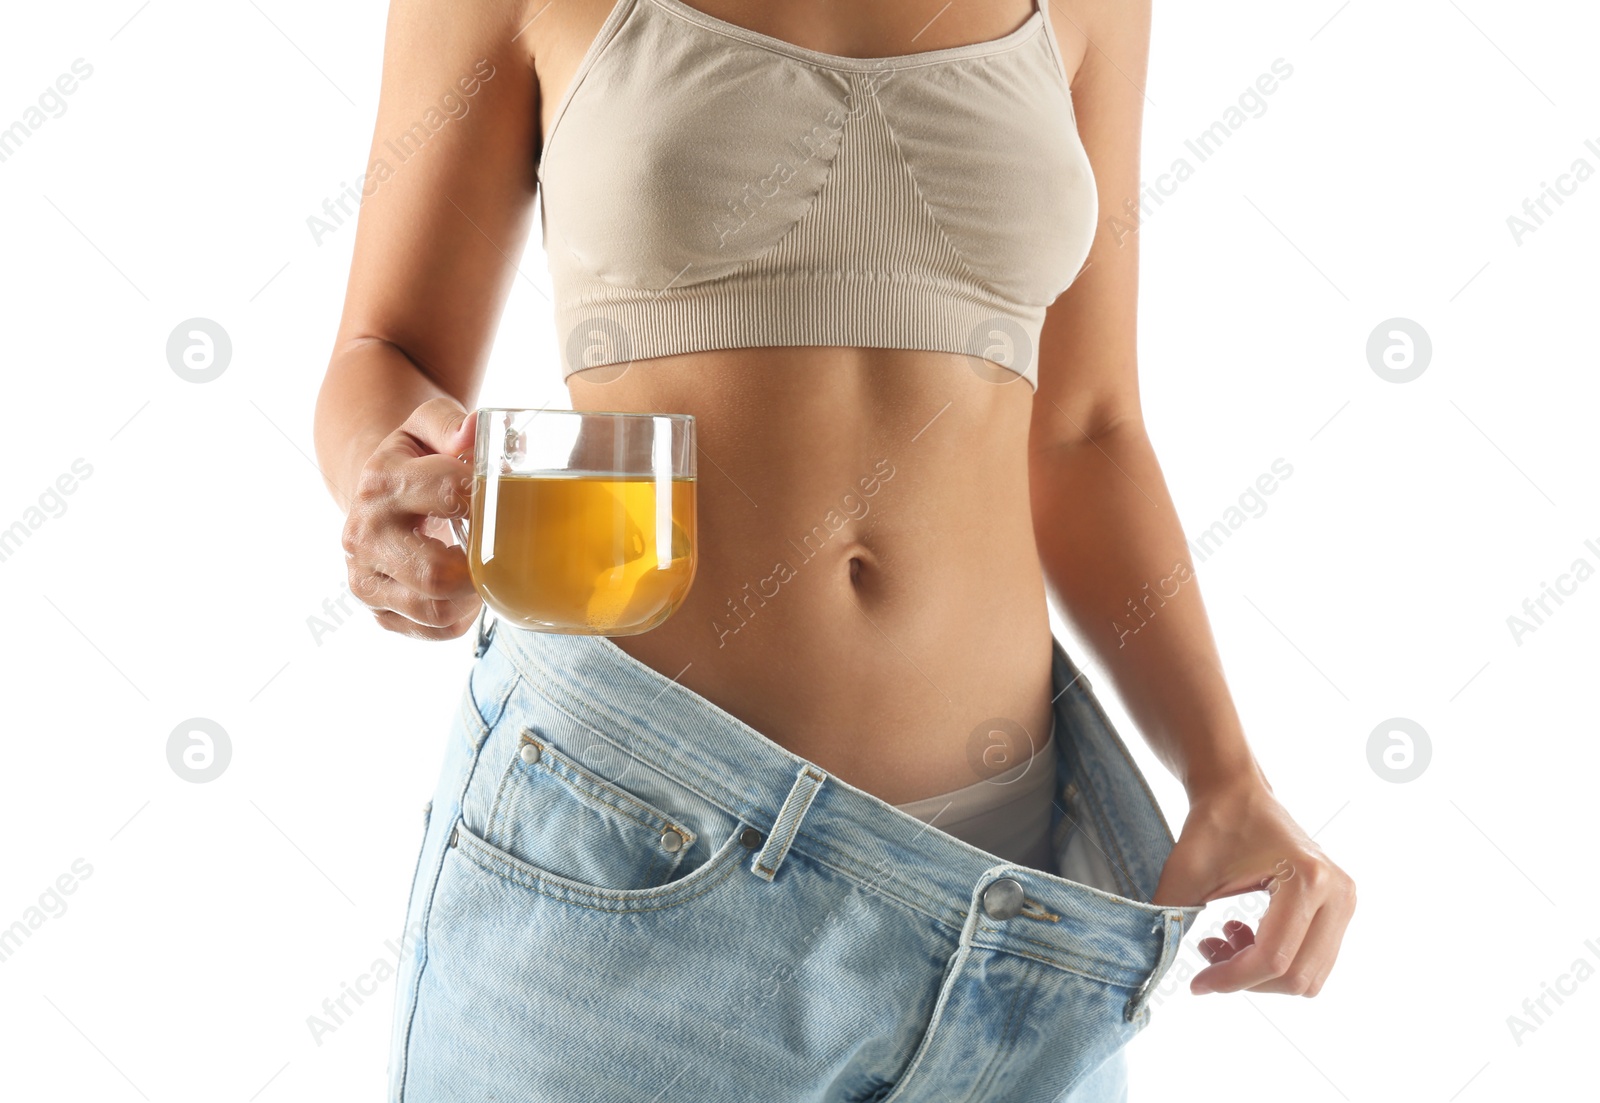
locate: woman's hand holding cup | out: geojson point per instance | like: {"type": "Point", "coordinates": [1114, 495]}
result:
{"type": "Point", "coordinates": [400, 562]}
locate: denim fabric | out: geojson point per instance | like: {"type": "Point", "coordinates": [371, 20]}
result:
{"type": "Point", "coordinates": [626, 894]}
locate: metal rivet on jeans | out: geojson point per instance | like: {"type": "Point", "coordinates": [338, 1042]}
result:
{"type": "Point", "coordinates": [671, 840]}
{"type": "Point", "coordinates": [530, 753]}
{"type": "Point", "coordinates": [750, 838]}
{"type": "Point", "coordinates": [1003, 899]}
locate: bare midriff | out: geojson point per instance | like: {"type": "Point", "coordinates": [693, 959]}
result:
{"type": "Point", "coordinates": [904, 622]}
{"type": "Point", "coordinates": [868, 592]}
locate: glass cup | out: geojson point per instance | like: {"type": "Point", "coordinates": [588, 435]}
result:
{"type": "Point", "coordinates": [581, 521]}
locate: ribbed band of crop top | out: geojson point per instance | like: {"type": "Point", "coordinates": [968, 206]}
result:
{"type": "Point", "coordinates": [705, 186]}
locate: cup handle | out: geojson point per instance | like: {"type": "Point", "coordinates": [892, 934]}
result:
{"type": "Point", "coordinates": [458, 525]}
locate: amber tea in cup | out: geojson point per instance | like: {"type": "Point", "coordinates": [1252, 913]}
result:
{"type": "Point", "coordinates": [582, 521]}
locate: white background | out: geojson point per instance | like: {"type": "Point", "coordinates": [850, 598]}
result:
{"type": "Point", "coordinates": [179, 581]}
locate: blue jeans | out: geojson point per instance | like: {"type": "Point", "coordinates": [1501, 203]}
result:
{"type": "Point", "coordinates": [625, 893]}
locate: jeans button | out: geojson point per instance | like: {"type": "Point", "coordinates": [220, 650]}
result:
{"type": "Point", "coordinates": [530, 753]}
{"type": "Point", "coordinates": [671, 840]}
{"type": "Point", "coordinates": [1003, 899]}
{"type": "Point", "coordinates": [750, 838]}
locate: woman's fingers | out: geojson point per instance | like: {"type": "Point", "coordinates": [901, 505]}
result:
{"type": "Point", "coordinates": [415, 584]}
{"type": "Point", "coordinates": [440, 425]}
{"type": "Point", "coordinates": [383, 538]}
{"type": "Point", "coordinates": [1298, 940]}
{"type": "Point", "coordinates": [383, 594]}
{"type": "Point", "coordinates": [430, 567]}
{"type": "Point", "coordinates": [405, 626]}
{"type": "Point", "coordinates": [397, 482]}
{"type": "Point", "coordinates": [1283, 927]}
{"type": "Point", "coordinates": [1236, 936]}
{"type": "Point", "coordinates": [1319, 950]}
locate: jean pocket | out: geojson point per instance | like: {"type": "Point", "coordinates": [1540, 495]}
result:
{"type": "Point", "coordinates": [557, 815]}
{"type": "Point", "coordinates": [510, 869]}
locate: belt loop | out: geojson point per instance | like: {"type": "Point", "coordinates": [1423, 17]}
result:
{"type": "Point", "coordinates": [485, 636]}
{"type": "Point", "coordinates": [806, 783]}
{"type": "Point", "coordinates": [1171, 927]}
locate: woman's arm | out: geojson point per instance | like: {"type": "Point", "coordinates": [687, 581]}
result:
{"type": "Point", "coordinates": [1117, 562]}
{"type": "Point", "coordinates": [1107, 529]}
{"type": "Point", "coordinates": [445, 213]}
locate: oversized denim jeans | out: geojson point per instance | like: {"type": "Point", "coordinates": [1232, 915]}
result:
{"type": "Point", "coordinates": [627, 895]}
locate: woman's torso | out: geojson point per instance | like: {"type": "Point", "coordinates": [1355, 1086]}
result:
{"type": "Point", "coordinates": [868, 592]}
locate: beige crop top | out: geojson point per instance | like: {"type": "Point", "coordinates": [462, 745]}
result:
{"type": "Point", "coordinates": [705, 186]}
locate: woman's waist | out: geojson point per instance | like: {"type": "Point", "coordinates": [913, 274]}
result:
{"type": "Point", "coordinates": [867, 589]}
{"type": "Point", "coordinates": [898, 681]}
